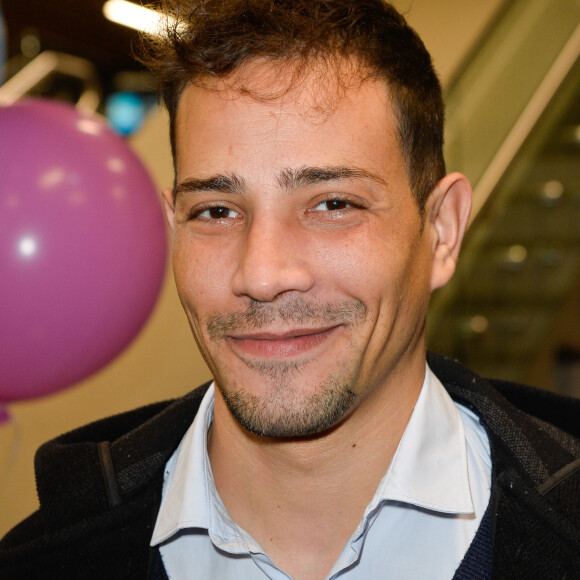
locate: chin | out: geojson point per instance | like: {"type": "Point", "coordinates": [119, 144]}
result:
{"type": "Point", "coordinates": [285, 413]}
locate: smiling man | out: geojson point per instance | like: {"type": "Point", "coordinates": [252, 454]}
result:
{"type": "Point", "coordinates": [313, 262]}
{"type": "Point", "coordinates": [311, 217]}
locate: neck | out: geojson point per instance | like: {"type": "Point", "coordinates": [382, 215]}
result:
{"type": "Point", "coordinates": [307, 496]}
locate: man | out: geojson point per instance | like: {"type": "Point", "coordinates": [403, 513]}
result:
{"type": "Point", "coordinates": [311, 218]}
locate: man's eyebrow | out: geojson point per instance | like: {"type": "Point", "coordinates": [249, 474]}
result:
{"type": "Point", "coordinates": [221, 183]}
{"type": "Point", "coordinates": [291, 178]}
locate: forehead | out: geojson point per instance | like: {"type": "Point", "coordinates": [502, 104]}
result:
{"type": "Point", "coordinates": [316, 91]}
{"type": "Point", "coordinates": [287, 116]}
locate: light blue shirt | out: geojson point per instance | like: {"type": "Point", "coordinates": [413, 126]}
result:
{"type": "Point", "coordinates": [419, 523]}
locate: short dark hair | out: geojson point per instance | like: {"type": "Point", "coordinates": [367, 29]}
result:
{"type": "Point", "coordinates": [211, 39]}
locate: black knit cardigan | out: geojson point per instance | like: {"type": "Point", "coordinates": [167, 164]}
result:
{"type": "Point", "coordinates": [100, 486]}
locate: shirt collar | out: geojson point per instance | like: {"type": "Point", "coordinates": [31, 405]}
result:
{"type": "Point", "coordinates": [190, 498]}
{"type": "Point", "coordinates": [188, 481]}
{"type": "Point", "coordinates": [429, 470]}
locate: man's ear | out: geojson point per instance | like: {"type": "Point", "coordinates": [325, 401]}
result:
{"type": "Point", "coordinates": [447, 213]}
{"type": "Point", "coordinates": [169, 207]}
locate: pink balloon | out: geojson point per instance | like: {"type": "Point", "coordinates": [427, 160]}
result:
{"type": "Point", "coordinates": [82, 247]}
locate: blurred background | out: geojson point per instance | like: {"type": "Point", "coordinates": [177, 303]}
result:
{"type": "Point", "coordinates": [511, 75]}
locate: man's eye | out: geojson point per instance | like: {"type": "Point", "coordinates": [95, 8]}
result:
{"type": "Point", "coordinates": [217, 213]}
{"type": "Point", "coordinates": [332, 205]}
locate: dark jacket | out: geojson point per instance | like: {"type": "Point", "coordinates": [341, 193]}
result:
{"type": "Point", "coordinates": [100, 486]}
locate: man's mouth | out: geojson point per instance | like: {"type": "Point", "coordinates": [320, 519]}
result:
{"type": "Point", "coordinates": [288, 343]}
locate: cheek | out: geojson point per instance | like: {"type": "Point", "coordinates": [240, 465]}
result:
{"type": "Point", "coordinates": [413, 283]}
{"type": "Point", "coordinates": [338, 261]}
{"type": "Point", "coordinates": [202, 275]}
{"type": "Point", "coordinates": [364, 264]}
{"type": "Point", "coordinates": [389, 273]}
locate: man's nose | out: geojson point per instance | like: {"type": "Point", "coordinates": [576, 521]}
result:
{"type": "Point", "coordinates": [273, 260]}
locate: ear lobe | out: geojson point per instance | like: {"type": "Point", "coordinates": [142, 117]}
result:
{"type": "Point", "coordinates": [169, 207]}
{"type": "Point", "coordinates": [448, 212]}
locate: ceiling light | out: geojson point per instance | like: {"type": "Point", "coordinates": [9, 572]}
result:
{"type": "Point", "coordinates": [552, 192]}
{"type": "Point", "coordinates": [133, 16]}
{"type": "Point", "coordinates": [517, 254]}
{"type": "Point", "coordinates": [479, 324]}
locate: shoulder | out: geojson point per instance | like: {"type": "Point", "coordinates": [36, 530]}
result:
{"type": "Point", "coordinates": [561, 411]}
{"type": "Point", "coordinates": [535, 428]}
{"type": "Point", "coordinates": [75, 474]}
{"type": "Point", "coordinates": [535, 451]}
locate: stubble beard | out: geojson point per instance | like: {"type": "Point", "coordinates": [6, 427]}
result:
{"type": "Point", "coordinates": [286, 411]}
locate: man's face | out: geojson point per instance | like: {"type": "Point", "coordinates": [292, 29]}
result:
{"type": "Point", "coordinates": [299, 255]}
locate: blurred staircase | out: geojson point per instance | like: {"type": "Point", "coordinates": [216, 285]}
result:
{"type": "Point", "coordinates": [514, 129]}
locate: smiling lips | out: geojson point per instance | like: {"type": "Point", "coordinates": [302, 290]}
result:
{"type": "Point", "coordinates": [281, 345]}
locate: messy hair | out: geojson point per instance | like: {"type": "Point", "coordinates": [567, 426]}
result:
{"type": "Point", "coordinates": [205, 40]}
